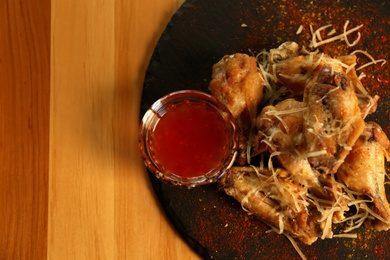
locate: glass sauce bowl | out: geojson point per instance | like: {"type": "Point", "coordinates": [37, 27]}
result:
{"type": "Point", "coordinates": [188, 138]}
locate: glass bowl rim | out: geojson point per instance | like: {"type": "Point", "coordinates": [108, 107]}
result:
{"type": "Point", "coordinates": [156, 111]}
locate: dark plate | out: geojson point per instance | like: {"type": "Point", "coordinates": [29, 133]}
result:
{"type": "Point", "coordinates": [198, 35]}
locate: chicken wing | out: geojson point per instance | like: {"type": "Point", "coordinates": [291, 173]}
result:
{"type": "Point", "coordinates": [281, 133]}
{"type": "Point", "coordinates": [295, 70]}
{"type": "Point", "coordinates": [274, 198]}
{"type": "Point", "coordinates": [367, 103]}
{"type": "Point", "coordinates": [237, 83]}
{"type": "Point", "coordinates": [333, 120]}
{"type": "Point", "coordinates": [321, 153]}
{"type": "Point", "coordinates": [364, 172]}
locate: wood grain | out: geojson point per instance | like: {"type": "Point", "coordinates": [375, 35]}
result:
{"type": "Point", "coordinates": [72, 183]}
{"type": "Point", "coordinates": [24, 130]}
{"type": "Point", "coordinates": [146, 233]}
{"type": "Point", "coordinates": [101, 205]}
{"type": "Point", "coordinates": [81, 183]}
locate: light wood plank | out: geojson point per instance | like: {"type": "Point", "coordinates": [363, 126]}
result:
{"type": "Point", "coordinates": [81, 192]}
{"type": "Point", "coordinates": [142, 230]}
{"type": "Point", "coordinates": [101, 203]}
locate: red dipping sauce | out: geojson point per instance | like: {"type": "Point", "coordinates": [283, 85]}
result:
{"type": "Point", "coordinates": [190, 139]}
{"type": "Point", "coordinates": [187, 138]}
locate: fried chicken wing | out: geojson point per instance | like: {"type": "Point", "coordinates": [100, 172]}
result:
{"type": "Point", "coordinates": [296, 70]}
{"type": "Point", "coordinates": [237, 83]}
{"type": "Point", "coordinates": [333, 120]}
{"type": "Point", "coordinates": [364, 172]}
{"type": "Point", "coordinates": [275, 199]}
{"type": "Point", "coordinates": [322, 156]}
{"type": "Point", "coordinates": [281, 133]}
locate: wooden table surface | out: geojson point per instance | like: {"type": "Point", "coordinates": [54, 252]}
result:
{"type": "Point", "coordinates": [72, 183]}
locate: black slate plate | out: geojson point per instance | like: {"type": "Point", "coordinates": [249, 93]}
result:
{"type": "Point", "coordinates": [198, 35]}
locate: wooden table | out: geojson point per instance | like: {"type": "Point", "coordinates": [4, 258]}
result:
{"type": "Point", "coordinates": [72, 183]}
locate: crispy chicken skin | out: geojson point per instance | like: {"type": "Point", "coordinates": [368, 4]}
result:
{"type": "Point", "coordinates": [322, 156]}
{"type": "Point", "coordinates": [367, 104]}
{"type": "Point", "coordinates": [292, 70]}
{"type": "Point", "coordinates": [256, 190]}
{"type": "Point", "coordinates": [364, 172]}
{"type": "Point", "coordinates": [333, 95]}
{"type": "Point", "coordinates": [333, 120]}
{"type": "Point", "coordinates": [295, 71]}
{"type": "Point", "coordinates": [283, 135]}
{"type": "Point", "coordinates": [237, 83]}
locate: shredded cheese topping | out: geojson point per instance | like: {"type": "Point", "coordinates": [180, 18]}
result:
{"type": "Point", "coordinates": [318, 41]}
{"type": "Point", "coordinates": [300, 29]}
{"type": "Point", "coordinates": [333, 209]}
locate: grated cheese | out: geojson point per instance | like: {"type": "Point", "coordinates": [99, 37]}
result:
{"type": "Point", "coordinates": [232, 162]}
{"type": "Point", "coordinates": [371, 63]}
{"type": "Point", "coordinates": [346, 235]}
{"type": "Point", "coordinates": [246, 199]}
{"type": "Point", "coordinates": [355, 225]}
{"type": "Point", "coordinates": [350, 68]}
{"type": "Point", "coordinates": [330, 210]}
{"type": "Point", "coordinates": [332, 32]}
{"type": "Point", "coordinates": [328, 226]}
{"type": "Point", "coordinates": [300, 29]}
{"type": "Point", "coordinates": [295, 245]}
{"type": "Point", "coordinates": [281, 224]}
{"type": "Point", "coordinates": [286, 112]}
{"type": "Point", "coordinates": [343, 36]}
{"type": "Point", "coordinates": [372, 213]}
{"type": "Point", "coordinates": [362, 75]}
{"type": "Point", "coordinates": [315, 154]}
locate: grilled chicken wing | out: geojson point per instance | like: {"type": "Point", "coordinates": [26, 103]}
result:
{"type": "Point", "coordinates": [237, 83]}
